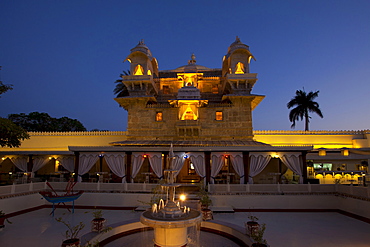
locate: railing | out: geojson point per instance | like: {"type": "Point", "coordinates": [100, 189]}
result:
{"type": "Point", "coordinates": [60, 186]}
{"type": "Point", "coordinates": [311, 132]}
{"type": "Point", "coordinates": [288, 189]}
{"type": "Point", "coordinates": [262, 189]}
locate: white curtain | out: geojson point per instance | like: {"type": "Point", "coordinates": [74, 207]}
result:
{"type": "Point", "coordinates": [137, 162]}
{"type": "Point", "coordinates": [178, 162]}
{"type": "Point", "coordinates": [68, 162]}
{"type": "Point", "coordinates": [198, 161]}
{"type": "Point", "coordinates": [20, 162]}
{"type": "Point", "coordinates": [258, 162]}
{"type": "Point", "coordinates": [293, 162]}
{"type": "Point", "coordinates": [38, 162]}
{"type": "Point", "coordinates": [116, 162]}
{"type": "Point", "coordinates": [237, 163]}
{"type": "Point", "coordinates": [218, 160]}
{"type": "Point", "coordinates": [155, 160]}
{"type": "Point", "coordinates": [87, 160]}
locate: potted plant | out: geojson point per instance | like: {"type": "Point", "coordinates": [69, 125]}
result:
{"type": "Point", "coordinates": [205, 201]}
{"type": "Point", "coordinates": [71, 235]}
{"type": "Point", "coordinates": [2, 220]}
{"type": "Point", "coordinates": [98, 223]}
{"type": "Point", "coordinates": [257, 236]}
{"type": "Point", "coordinates": [252, 225]}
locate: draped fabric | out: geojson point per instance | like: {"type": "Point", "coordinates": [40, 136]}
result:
{"type": "Point", "coordinates": [20, 162]}
{"type": "Point", "coordinates": [218, 160]}
{"type": "Point", "coordinates": [38, 163]}
{"type": "Point", "coordinates": [198, 161]}
{"type": "Point", "coordinates": [258, 162]}
{"type": "Point", "coordinates": [116, 162]}
{"type": "Point", "coordinates": [87, 160]}
{"type": "Point", "coordinates": [68, 162]}
{"type": "Point", "coordinates": [178, 162]}
{"type": "Point", "coordinates": [294, 163]}
{"type": "Point", "coordinates": [237, 163]}
{"type": "Point", "coordinates": [155, 160]}
{"type": "Point", "coordinates": [137, 162]}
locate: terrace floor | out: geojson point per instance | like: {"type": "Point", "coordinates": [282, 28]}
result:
{"type": "Point", "coordinates": [283, 229]}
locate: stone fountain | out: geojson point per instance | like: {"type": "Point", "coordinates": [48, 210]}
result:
{"type": "Point", "coordinates": [169, 219]}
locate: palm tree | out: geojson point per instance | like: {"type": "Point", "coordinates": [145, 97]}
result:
{"type": "Point", "coordinates": [121, 90]}
{"type": "Point", "coordinates": [303, 103]}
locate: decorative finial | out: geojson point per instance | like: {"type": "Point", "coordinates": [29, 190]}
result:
{"type": "Point", "coordinates": [141, 42]}
{"type": "Point", "coordinates": [237, 39]}
{"type": "Point", "coordinates": [192, 61]}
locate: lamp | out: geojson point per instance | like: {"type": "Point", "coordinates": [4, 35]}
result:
{"type": "Point", "coordinates": [276, 155]}
{"type": "Point", "coordinates": [322, 152]}
{"type": "Point", "coordinates": [344, 151]}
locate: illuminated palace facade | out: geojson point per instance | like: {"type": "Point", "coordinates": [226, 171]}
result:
{"type": "Point", "coordinates": [205, 116]}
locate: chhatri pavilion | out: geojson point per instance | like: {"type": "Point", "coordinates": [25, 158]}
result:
{"type": "Point", "coordinates": [205, 116]}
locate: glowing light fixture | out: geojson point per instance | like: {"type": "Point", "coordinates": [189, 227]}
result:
{"type": "Point", "coordinates": [182, 197]}
{"type": "Point", "coordinates": [239, 68]}
{"type": "Point", "coordinates": [139, 70]}
{"type": "Point", "coordinates": [344, 152]}
{"type": "Point", "coordinates": [322, 152]}
{"type": "Point", "coordinates": [276, 155]}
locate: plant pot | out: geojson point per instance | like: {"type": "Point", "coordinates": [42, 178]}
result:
{"type": "Point", "coordinates": [252, 227]}
{"type": "Point", "coordinates": [73, 242]}
{"type": "Point", "coordinates": [207, 214]}
{"type": "Point", "coordinates": [2, 223]}
{"type": "Point", "coordinates": [259, 245]}
{"type": "Point", "coordinates": [98, 224]}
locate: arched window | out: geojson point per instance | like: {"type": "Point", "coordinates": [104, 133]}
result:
{"type": "Point", "coordinates": [139, 70]}
{"type": "Point", "coordinates": [189, 114]}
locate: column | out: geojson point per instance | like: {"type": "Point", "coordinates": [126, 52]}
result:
{"type": "Point", "coordinates": [246, 166]}
{"type": "Point", "coordinates": [30, 163]}
{"type": "Point", "coordinates": [207, 163]}
{"type": "Point", "coordinates": [128, 166]}
{"type": "Point", "coordinates": [304, 167]}
{"type": "Point", "coordinates": [77, 163]}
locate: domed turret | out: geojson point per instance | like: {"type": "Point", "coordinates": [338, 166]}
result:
{"type": "Point", "coordinates": [142, 61]}
{"type": "Point", "coordinates": [237, 59]}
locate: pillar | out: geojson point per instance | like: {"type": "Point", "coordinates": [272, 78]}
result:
{"type": "Point", "coordinates": [101, 162]}
{"type": "Point", "coordinates": [304, 167]}
{"type": "Point", "coordinates": [128, 166]}
{"type": "Point", "coordinates": [165, 163]}
{"type": "Point", "coordinates": [77, 163]}
{"type": "Point", "coordinates": [30, 163]}
{"type": "Point", "coordinates": [246, 166]}
{"type": "Point", "coordinates": [207, 163]}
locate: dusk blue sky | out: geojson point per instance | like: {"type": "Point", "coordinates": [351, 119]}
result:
{"type": "Point", "coordinates": [63, 56]}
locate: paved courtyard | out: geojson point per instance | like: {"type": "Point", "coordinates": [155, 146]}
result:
{"type": "Point", "coordinates": [38, 228]}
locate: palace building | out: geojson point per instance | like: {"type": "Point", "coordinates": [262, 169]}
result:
{"type": "Point", "coordinates": [205, 116]}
